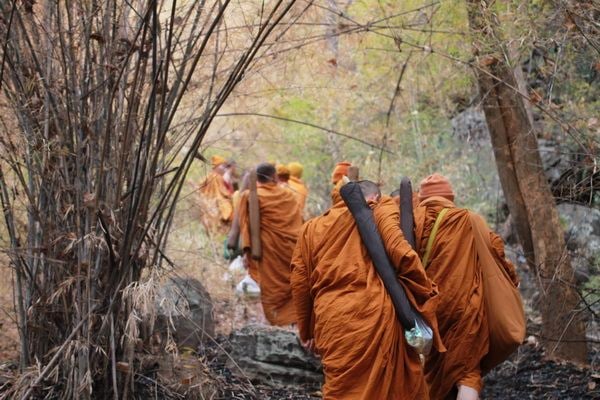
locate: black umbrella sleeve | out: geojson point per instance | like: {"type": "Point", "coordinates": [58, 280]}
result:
{"type": "Point", "coordinates": [371, 238]}
{"type": "Point", "coordinates": [407, 221]}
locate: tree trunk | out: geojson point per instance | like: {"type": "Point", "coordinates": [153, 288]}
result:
{"type": "Point", "coordinates": [526, 189]}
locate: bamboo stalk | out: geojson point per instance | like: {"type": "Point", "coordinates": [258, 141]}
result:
{"type": "Point", "coordinates": [95, 106]}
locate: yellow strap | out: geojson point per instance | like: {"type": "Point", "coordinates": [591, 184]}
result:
{"type": "Point", "coordinates": [436, 225]}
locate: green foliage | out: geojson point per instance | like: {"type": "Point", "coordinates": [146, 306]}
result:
{"type": "Point", "coordinates": [348, 82]}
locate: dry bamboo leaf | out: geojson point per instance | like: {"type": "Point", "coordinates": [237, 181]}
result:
{"type": "Point", "coordinates": [188, 380]}
{"type": "Point", "coordinates": [123, 366]}
{"type": "Point", "coordinates": [89, 200]}
{"type": "Point", "coordinates": [534, 97]}
{"type": "Point", "coordinates": [488, 60]}
{"type": "Point", "coordinates": [97, 37]}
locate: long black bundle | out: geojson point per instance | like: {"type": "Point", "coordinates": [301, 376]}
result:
{"type": "Point", "coordinates": [407, 221]}
{"type": "Point", "coordinates": [355, 201]}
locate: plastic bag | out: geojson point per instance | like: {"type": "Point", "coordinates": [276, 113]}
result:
{"type": "Point", "coordinates": [237, 265]}
{"type": "Point", "coordinates": [248, 288]}
{"type": "Point", "coordinates": [420, 337]}
{"type": "Point", "coordinates": [235, 270]}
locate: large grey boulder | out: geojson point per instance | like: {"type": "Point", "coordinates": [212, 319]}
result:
{"type": "Point", "coordinates": [583, 228]}
{"type": "Point", "coordinates": [186, 310]}
{"type": "Point", "coordinates": [273, 356]}
{"type": "Point", "coordinates": [582, 234]}
{"type": "Point", "coordinates": [470, 126]}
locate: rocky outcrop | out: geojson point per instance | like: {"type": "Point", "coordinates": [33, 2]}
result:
{"type": "Point", "coordinates": [582, 235]}
{"type": "Point", "coordinates": [270, 355]}
{"type": "Point", "coordinates": [471, 126]}
{"type": "Point", "coordinates": [185, 309]}
{"type": "Point", "coordinates": [572, 174]}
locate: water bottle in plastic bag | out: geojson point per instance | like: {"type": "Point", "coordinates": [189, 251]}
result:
{"type": "Point", "coordinates": [420, 337]}
{"type": "Point", "coordinates": [248, 288]}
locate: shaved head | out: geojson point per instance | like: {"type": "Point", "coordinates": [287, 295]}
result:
{"type": "Point", "coordinates": [395, 193]}
{"type": "Point", "coordinates": [370, 190]}
{"type": "Point", "coordinates": [265, 173]}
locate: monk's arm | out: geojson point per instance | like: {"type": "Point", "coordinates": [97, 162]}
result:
{"type": "Point", "coordinates": [387, 218]}
{"type": "Point", "coordinates": [300, 283]}
{"type": "Point", "coordinates": [498, 246]}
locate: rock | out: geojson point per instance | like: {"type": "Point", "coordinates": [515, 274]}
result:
{"type": "Point", "coordinates": [583, 229]}
{"type": "Point", "coordinates": [185, 308]}
{"type": "Point", "coordinates": [532, 341]}
{"type": "Point", "coordinates": [471, 126]}
{"type": "Point", "coordinates": [582, 235]}
{"type": "Point", "coordinates": [553, 159]}
{"type": "Point", "coordinates": [270, 355]}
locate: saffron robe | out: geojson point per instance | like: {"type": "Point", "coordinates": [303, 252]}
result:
{"type": "Point", "coordinates": [280, 223]}
{"type": "Point", "coordinates": [215, 202]}
{"type": "Point", "coordinates": [461, 313]}
{"type": "Point", "coordinates": [300, 190]}
{"type": "Point", "coordinates": [341, 302]}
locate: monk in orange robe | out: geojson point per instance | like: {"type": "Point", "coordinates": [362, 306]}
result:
{"type": "Point", "coordinates": [344, 312]}
{"type": "Point", "coordinates": [296, 184]}
{"type": "Point", "coordinates": [453, 264]}
{"type": "Point", "coordinates": [283, 174]}
{"type": "Point", "coordinates": [215, 197]}
{"type": "Point", "coordinates": [280, 223]}
{"type": "Point", "coordinates": [339, 171]}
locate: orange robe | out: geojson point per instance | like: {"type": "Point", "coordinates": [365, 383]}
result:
{"type": "Point", "coordinates": [341, 302]}
{"type": "Point", "coordinates": [215, 202]}
{"type": "Point", "coordinates": [280, 223]}
{"type": "Point", "coordinates": [299, 189]}
{"type": "Point", "coordinates": [461, 313]}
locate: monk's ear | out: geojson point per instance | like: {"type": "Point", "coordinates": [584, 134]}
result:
{"type": "Point", "coordinates": [373, 198]}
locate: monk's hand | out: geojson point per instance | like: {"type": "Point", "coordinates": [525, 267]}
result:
{"type": "Point", "coordinates": [309, 345]}
{"type": "Point", "coordinates": [246, 259]}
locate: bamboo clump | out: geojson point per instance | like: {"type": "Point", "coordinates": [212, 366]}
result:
{"type": "Point", "coordinates": [105, 105]}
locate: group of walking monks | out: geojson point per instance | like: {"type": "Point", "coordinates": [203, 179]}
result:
{"type": "Point", "coordinates": [318, 277]}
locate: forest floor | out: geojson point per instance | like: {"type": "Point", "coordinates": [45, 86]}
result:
{"type": "Point", "coordinates": [527, 375]}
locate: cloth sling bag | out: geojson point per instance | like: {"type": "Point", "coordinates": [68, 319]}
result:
{"type": "Point", "coordinates": [504, 307]}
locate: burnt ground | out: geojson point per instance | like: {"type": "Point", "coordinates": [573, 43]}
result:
{"type": "Point", "coordinates": [527, 375]}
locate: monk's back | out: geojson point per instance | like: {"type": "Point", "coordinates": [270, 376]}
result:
{"type": "Point", "coordinates": [461, 315]}
{"type": "Point", "coordinates": [280, 223]}
{"type": "Point", "coordinates": [355, 327]}
{"type": "Point", "coordinates": [342, 279]}
{"type": "Point", "coordinates": [279, 212]}
{"type": "Point", "coordinates": [453, 263]}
